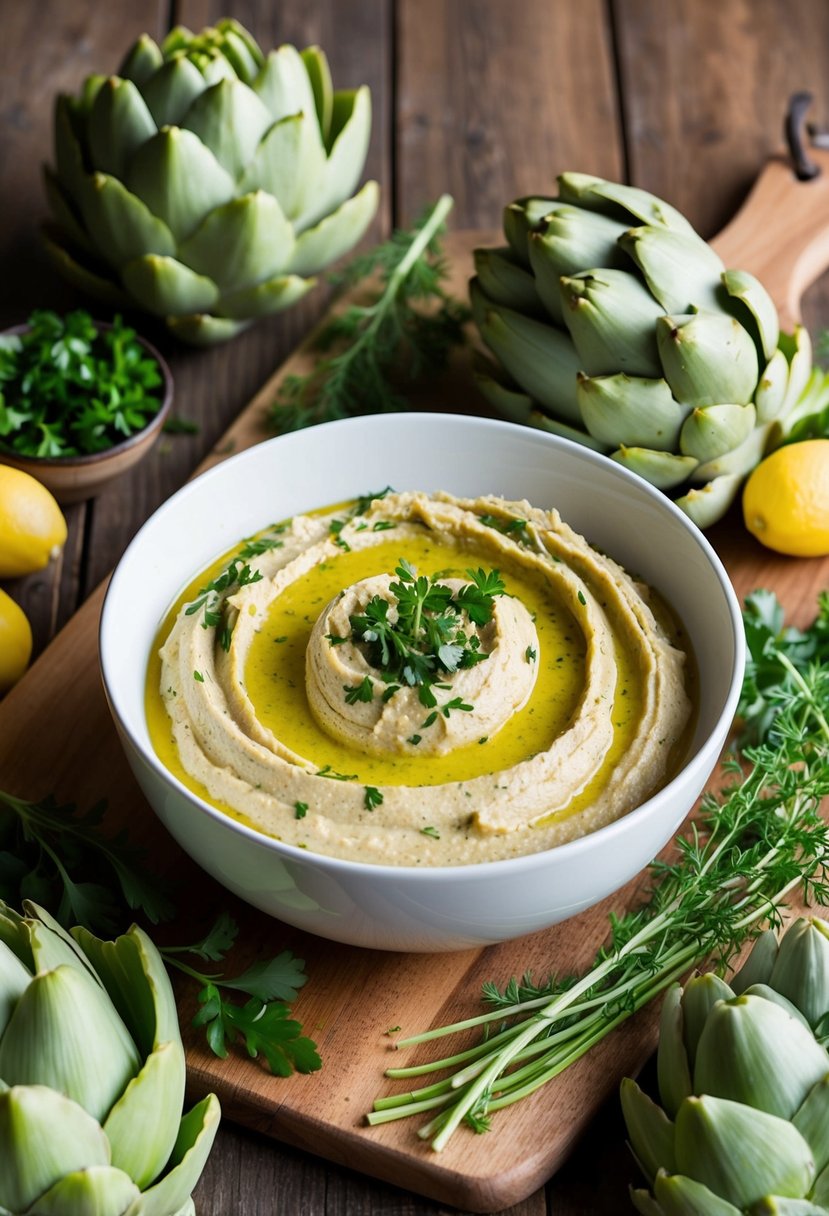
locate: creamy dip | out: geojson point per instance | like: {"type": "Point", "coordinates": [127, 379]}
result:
{"type": "Point", "coordinates": [270, 695]}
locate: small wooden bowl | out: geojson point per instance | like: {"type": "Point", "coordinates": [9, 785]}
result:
{"type": "Point", "coordinates": [76, 478]}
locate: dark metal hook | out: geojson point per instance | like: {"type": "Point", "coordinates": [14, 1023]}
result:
{"type": "Point", "coordinates": [805, 168]}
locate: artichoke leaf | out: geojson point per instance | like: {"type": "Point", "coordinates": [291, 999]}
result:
{"type": "Point", "coordinates": [812, 1121]}
{"type": "Point", "coordinates": [141, 61]}
{"type": "Point", "coordinates": [740, 1153]}
{"type": "Point", "coordinates": [507, 400]}
{"type": "Point", "coordinates": [336, 233]}
{"type": "Point", "coordinates": [272, 296]}
{"type": "Point", "coordinates": [239, 244]}
{"type": "Point", "coordinates": [351, 129]}
{"type": "Point", "coordinates": [743, 286]}
{"type": "Point", "coordinates": [770, 395]}
{"type": "Point", "coordinates": [136, 980]}
{"type": "Point", "coordinates": [704, 505]}
{"type": "Point", "coordinates": [171, 91]}
{"type": "Point", "coordinates": [66, 215]}
{"type": "Point", "coordinates": [801, 969]}
{"type": "Point", "coordinates": [319, 74]}
{"type": "Point", "coordinates": [43, 1136]}
{"type": "Point", "coordinates": [630, 410]}
{"type": "Point", "coordinates": [681, 1196]}
{"type": "Point", "coordinates": [700, 995]}
{"type": "Point", "coordinates": [196, 1134]}
{"type": "Point", "coordinates": [238, 52]}
{"type": "Point", "coordinates": [681, 270]}
{"type": "Point", "coordinates": [152, 1102]}
{"type": "Point", "coordinates": [738, 461]}
{"type": "Point", "coordinates": [284, 86]}
{"type": "Point", "coordinates": [65, 1033]}
{"type": "Point", "coordinates": [179, 38]}
{"type": "Point", "coordinates": [649, 1129]}
{"type": "Point", "coordinates": [672, 1068]}
{"type": "Point", "coordinates": [119, 123]}
{"type": "Point", "coordinates": [707, 358]}
{"type": "Point", "coordinates": [712, 430]}
{"type": "Point", "coordinates": [289, 164]}
{"type": "Point", "coordinates": [614, 198]}
{"type": "Point", "coordinates": [758, 966]}
{"type": "Point", "coordinates": [167, 287]}
{"type": "Point", "coordinates": [69, 163]}
{"type": "Point", "coordinates": [798, 350]}
{"type": "Point", "coordinates": [662, 469]}
{"type": "Point", "coordinates": [124, 226]}
{"type": "Point", "coordinates": [82, 276]}
{"type": "Point", "coordinates": [777, 1205]}
{"type": "Point", "coordinates": [179, 179]}
{"type": "Point", "coordinates": [543, 422]}
{"type": "Point", "coordinates": [99, 1190]}
{"type": "Point", "coordinates": [645, 1203]}
{"type": "Point", "coordinates": [540, 359]}
{"type": "Point", "coordinates": [611, 317]}
{"type": "Point", "coordinates": [15, 978]}
{"type": "Point", "coordinates": [571, 239]}
{"type": "Point", "coordinates": [771, 994]}
{"type": "Point", "coordinates": [752, 1051]}
{"type": "Point", "coordinates": [202, 329]}
{"type": "Point", "coordinates": [504, 280]}
{"type": "Point", "coordinates": [229, 119]}
{"type": "Point", "coordinates": [521, 218]}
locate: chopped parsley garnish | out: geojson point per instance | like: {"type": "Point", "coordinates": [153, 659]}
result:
{"type": "Point", "coordinates": [328, 771]}
{"type": "Point", "coordinates": [582, 600]}
{"type": "Point", "coordinates": [414, 739]}
{"type": "Point", "coordinates": [238, 574]}
{"type": "Point", "coordinates": [510, 525]}
{"type": "Point", "coordinates": [364, 691]}
{"type": "Point", "coordinates": [373, 797]}
{"type": "Point", "coordinates": [530, 654]}
{"type": "Point", "coordinates": [300, 810]}
{"type": "Point", "coordinates": [428, 639]}
{"type": "Point", "coordinates": [197, 675]}
{"type": "Point", "coordinates": [433, 832]}
{"type": "Point", "coordinates": [335, 528]}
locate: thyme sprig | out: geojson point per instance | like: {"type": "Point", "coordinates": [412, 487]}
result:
{"type": "Point", "coordinates": [413, 323]}
{"type": "Point", "coordinates": [760, 839]}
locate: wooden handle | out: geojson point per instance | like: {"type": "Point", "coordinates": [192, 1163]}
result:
{"type": "Point", "coordinates": [781, 233]}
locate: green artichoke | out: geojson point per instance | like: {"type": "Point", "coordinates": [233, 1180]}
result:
{"type": "Point", "coordinates": [92, 1077]}
{"type": "Point", "coordinates": [743, 1076]}
{"type": "Point", "coordinates": [206, 182]}
{"type": "Point", "coordinates": [616, 325]}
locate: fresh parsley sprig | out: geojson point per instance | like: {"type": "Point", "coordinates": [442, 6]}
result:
{"type": "Point", "coordinates": [68, 387]}
{"type": "Point", "coordinates": [263, 1023]}
{"type": "Point", "coordinates": [58, 857]}
{"type": "Point", "coordinates": [413, 322]}
{"type": "Point", "coordinates": [426, 638]}
{"type": "Point", "coordinates": [752, 845]}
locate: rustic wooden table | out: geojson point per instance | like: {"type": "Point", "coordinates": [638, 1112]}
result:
{"type": "Point", "coordinates": [485, 99]}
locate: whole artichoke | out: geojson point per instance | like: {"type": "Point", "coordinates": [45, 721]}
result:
{"type": "Point", "coordinates": [206, 181]}
{"type": "Point", "coordinates": [92, 1077]}
{"type": "Point", "coordinates": [744, 1079]}
{"type": "Point", "coordinates": [616, 325]}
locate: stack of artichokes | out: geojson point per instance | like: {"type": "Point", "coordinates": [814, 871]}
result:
{"type": "Point", "coordinates": [614, 324]}
{"type": "Point", "coordinates": [92, 1077]}
{"type": "Point", "coordinates": [744, 1079]}
{"type": "Point", "coordinates": [207, 181]}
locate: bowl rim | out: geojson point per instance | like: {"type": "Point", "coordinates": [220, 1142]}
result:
{"type": "Point", "coordinates": [87, 459]}
{"type": "Point", "coordinates": [571, 849]}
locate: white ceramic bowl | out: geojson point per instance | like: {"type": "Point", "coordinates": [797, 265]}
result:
{"type": "Point", "coordinates": [407, 908]}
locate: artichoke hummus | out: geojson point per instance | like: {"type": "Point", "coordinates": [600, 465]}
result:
{"type": "Point", "coordinates": [418, 679]}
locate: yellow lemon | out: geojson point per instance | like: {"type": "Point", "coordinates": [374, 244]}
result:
{"type": "Point", "coordinates": [786, 499]}
{"type": "Point", "coordinates": [15, 641]}
{"type": "Point", "coordinates": [32, 527]}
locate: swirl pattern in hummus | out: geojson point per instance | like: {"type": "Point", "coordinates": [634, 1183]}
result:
{"type": "Point", "coordinates": [406, 794]}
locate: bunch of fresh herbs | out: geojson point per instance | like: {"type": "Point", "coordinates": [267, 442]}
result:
{"type": "Point", "coordinates": [69, 387]}
{"type": "Point", "coordinates": [411, 322]}
{"type": "Point", "coordinates": [59, 858]}
{"type": "Point", "coordinates": [760, 839]}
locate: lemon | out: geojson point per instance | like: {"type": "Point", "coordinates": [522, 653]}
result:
{"type": "Point", "coordinates": [786, 499]}
{"type": "Point", "coordinates": [32, 527]}
{"type": "Point", "coordinates": [15, 641]}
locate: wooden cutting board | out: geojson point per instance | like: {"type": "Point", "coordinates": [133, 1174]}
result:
{"type": "Point", "coordinates": [56, 736]}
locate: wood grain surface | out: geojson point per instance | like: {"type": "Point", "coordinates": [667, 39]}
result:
{"type": "Point", "coordinates": [485, 99]}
